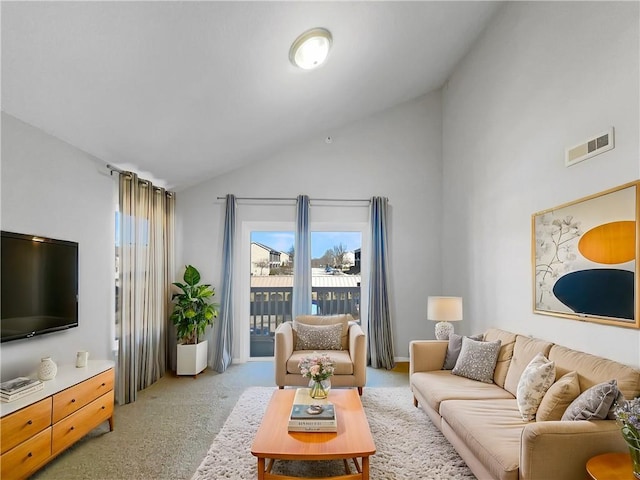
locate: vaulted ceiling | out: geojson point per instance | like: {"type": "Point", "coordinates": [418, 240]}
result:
{"type": "Point", "coordinates": [184, 91]}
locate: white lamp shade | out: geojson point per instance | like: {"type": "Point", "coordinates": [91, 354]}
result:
{"type": "Point", "coordinates": [444, 309]}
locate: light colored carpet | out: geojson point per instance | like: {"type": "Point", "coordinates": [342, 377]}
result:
{"type": "Point", "coordinates": [408, 445]}
{"type": "Point", "coordinates": [167, 432]}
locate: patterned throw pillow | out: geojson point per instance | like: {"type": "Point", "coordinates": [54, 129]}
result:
{"type": "Point", "coordinates": [453, 349]}
{"type": "Point", "coordinates": [477, 360]}
{"type": "Point", "coordinates": [594, 403]}
{"type": "Point", "coordinates": [616, 401]}
{"type": "Point", "coordinates": [534, 382]}
{"type": "Point", "coordinates": [318, 337]}
{"type": "Point", "coordinates": [559, 396]}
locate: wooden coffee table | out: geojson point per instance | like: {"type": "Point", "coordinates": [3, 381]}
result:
{"type": "Point", "coordinates": [610, 466]}
{"type": "Point", "coordinates": [353, 440]}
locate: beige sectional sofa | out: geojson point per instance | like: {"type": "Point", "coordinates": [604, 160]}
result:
{"type": "Point", "coordinates": [484, 424]}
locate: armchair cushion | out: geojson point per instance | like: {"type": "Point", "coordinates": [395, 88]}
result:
{"type": "Point", "coordinates": [318, 337]}
{"type": "Point", "coordinates": [341, 361]}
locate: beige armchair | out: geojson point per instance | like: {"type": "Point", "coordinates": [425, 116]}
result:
{"type": "Point", "coordinates": [350, 360]}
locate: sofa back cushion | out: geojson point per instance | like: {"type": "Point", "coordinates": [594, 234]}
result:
{"type": "Point", "coordinates": [325, 320]}
{"type": "Point", "coordinates": [524, 350]}
{"type": "Point", "coordinates": [593, 370]}
{"type": "Point", "coordinates": [507, 342]}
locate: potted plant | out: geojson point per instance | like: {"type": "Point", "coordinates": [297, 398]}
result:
{"type": "Point", "coordinates": [193, 311]}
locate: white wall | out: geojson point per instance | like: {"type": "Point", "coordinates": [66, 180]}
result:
{"type": "Point", "coordinates": [396, 154]}
{"type": "Point", "coordinates": [52, 189]}
{"type": "Point", "coordinates": [545, 76]}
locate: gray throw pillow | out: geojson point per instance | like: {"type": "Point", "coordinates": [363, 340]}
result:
{"type": "Point", "coordinates": [453, 349]}
{"type": "Point", "coordinates": [318, 337]}
{"type": "Point", "coordinates": [477, 360]}
{"type": "Point", "coordinates": [619, 400]}
{"type": "Point", "coordinates": [594, 403]}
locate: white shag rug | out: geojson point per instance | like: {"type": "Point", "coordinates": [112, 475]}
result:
{"type": "Point", "coordinates": [408, 445]}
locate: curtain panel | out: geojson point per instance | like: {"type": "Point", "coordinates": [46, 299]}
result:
{"type": "Point", "coordinates": [221, 356]}
{"type": "Point", "coordinates": [145, 255]}
{"type": "Point", "coordinates": [301, 296]}
{"type": "Point", "coordinates": [381, 352]}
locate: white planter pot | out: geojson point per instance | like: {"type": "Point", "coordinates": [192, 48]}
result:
{"type": "Point", "coordinates": [191, 359]}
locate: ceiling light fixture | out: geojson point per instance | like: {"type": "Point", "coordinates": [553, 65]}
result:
{"type": "Point", "coordinates": [311, 48]}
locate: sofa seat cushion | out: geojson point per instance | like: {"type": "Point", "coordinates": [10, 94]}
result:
{"type": "Point", "coordinates": [439, 385]}
{"type": "Point", "coordinates": [491, 429]}
{"type": "Point", "coordinates": [342, 361]}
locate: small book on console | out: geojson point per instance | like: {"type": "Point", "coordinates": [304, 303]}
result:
{"type": "Point", "coordinates": [10, 397]}
{"type": "Point", "coordinates": [17, 385]}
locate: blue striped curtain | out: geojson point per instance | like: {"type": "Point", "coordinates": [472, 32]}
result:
{"type": "Point", "coordinates": [220, 357]}
{"type": "Point", "coordinates": [301, 301]}
{"type": "Point", "coordinates": [380, 334]}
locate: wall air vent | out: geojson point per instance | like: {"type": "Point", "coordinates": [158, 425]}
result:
{"type": "Point", "coordinates": [599, 143]}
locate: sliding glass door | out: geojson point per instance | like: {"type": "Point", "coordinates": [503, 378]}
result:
{"type": "Point", "coordinates": [336, 280]}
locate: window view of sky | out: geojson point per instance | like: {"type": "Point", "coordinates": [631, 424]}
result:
{"type": "Point", "coordinates": [320, 241]}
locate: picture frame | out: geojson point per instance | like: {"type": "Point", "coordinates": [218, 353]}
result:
{"type": "Point", "coordinates": [584, 258]}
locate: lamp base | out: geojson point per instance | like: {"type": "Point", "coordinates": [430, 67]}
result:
{"type": "Point", "coordinates": [443, 330]}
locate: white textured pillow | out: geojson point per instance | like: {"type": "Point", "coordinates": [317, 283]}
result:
{"type": "Point", "coordinates": [477, 360]}
{"type": "Point", "coordinates": [534, 382]}
{"type": "Point", "coordinates": [453, 349]}
{"type": "Point", "coordinates": [318, 337]}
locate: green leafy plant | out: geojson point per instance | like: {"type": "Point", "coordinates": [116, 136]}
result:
{"type": "Point", "coordinates": [193, 310]}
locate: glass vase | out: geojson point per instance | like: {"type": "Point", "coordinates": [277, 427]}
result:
{"type": "Point", "coordinates": [319, 389]}
{"type": "Point", "coordinates": [635, 460]}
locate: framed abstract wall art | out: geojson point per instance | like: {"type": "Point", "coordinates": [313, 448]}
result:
{"type": "Point", "coordinates": [585, 258]}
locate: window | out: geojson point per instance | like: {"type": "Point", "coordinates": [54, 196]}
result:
{"type": "Point", "coordinates": [336, 277]}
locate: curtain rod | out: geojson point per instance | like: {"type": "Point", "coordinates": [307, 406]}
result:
{"type": "Point", "coordinates": [115, 169]}
{"type": "Point", "coordinates": [268, 199]}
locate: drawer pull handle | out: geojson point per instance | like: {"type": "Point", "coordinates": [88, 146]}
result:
{"type": "Point", "coordinates": [103, 384]}
{"type": "Point", "coordinates": [73, 400]}
{"type": "Point", "coordinates": [29, 454]}
{"type": "Point", "coordinates": [30, 422]}
{"type": "Point", "coordinates": [72, 428]}
{"type": "Point", "coordinates": [103, 407]}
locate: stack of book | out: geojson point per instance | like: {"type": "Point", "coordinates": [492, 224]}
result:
{"type": "Point", "coordinates": [19, 387]}
{"type": "Point", "coordinates": [313, 418]}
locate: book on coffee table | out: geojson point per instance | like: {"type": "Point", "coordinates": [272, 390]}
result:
{"type": "Point", "coordinates": [301, 411]}
{"type": "Point", "coordinates": [311, 417]}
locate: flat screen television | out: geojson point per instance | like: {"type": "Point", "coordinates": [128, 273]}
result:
{"type": "Point", "coordinates": [39, 285]}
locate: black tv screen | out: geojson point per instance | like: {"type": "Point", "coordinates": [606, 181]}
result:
{"type": "Point", "coordinates": [39, 285]}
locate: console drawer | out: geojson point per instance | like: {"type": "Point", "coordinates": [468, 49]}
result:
{"type": "Point", "coordinates": [74, 398]}
{"type": "Point", "coordinates": [23, 424]}
{"type": "Point", "coordinates": [77, 425]}
{"type": "Point", "coordinates": [24, 459]}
